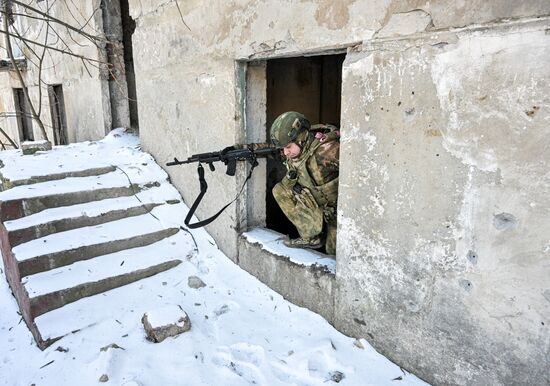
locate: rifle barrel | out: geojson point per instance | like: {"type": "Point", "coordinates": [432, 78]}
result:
{"type": "Point", "coordinates": [238, 154]}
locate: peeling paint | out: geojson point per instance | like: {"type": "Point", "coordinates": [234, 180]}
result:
{"type": "Point", "coordinates": [406, 23]}
{"type": "Point", "coordinates": [467, 63]}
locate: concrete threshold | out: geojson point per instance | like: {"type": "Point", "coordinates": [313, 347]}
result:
{"type": "Point", "coordinates": [307, 282]}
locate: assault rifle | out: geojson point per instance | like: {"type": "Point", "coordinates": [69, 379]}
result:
{"type": "Point", "coordinates": [229, 156]}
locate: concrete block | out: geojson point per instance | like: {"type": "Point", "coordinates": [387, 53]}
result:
{"type": "Point", "coordinates": [307, 286]}
{"type": "Point", "coordinates": [31, 147]}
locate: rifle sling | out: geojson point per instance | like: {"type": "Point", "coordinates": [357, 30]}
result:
{"type": "Point", "coordinates": [204, 188]}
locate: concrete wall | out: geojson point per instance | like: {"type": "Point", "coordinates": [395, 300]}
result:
{"type": "Point", "coordinates": [85, 86]}
{"type": "Point", "coordinates": [447, 160]}
{"type": "Point", "coordinates": [444, 196]}
{"type": "Point", "coordinates": [8, 122]}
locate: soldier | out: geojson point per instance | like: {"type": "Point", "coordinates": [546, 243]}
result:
{"type": "Point", "coordinates": [308, 193]}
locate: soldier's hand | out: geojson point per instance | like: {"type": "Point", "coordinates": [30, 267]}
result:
{"type": "Point", "coordinates": [228, 149]}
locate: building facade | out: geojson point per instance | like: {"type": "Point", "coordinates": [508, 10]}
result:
{"type": "Point", "coordinates": [76, 77]}
{"type": "Point", "coordinates": [443, 248]}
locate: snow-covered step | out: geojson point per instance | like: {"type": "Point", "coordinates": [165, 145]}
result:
{"type": "Point", "coordinates": [108, 306]}
{"type": "Point", "coordinates": [29, 199]}
{"type": "Point", "coordinates": [67, 247]}
{"type": "Point", "coordinates": [57, 176]}
{"type": "Point", "coordinates": [53, 289]}
{"type": "Point", "coordinates": [61, 219]}
{"type": "Point", "coordinates": [164, 193]}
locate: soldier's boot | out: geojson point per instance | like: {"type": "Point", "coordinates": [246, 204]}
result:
{"type": "Point", "coordinates": [313, 243]}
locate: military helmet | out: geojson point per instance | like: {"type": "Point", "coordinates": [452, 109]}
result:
{"type": "Point", "coordinates": [287, 127]}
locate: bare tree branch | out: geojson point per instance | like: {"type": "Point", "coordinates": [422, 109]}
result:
{"type": "Point", "coordinates": [7, 18]}
{"type": "Point", "coordinates": [52, 48]}
{"type": "Point", "coordinates": [9, 139]}
{"type": "Point", "coordinates": [83, 17]}
{"type": "Point", "coordinates": [56, 20]}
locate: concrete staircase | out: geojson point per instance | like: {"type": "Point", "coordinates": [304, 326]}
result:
{"type": "Point", "coordinates": [69, 236]}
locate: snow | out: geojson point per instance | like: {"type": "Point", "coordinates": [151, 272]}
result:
{"type": "Point", "coordinates": [272, 242]}
{"type": "Point", "coordinates": [165, 316]}
{"type": "Point", "coordinates": [92, 209]}
{"type": "Point", "coordinates": [171, 248]}
{"type": "Point", "coordinates": [242, 332]}
{"type": "Point", "coordinates": [125, 229]}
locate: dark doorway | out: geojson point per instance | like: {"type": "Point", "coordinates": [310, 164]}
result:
{"type": "Point", "coordinates": [312, 86]}
{"type": "Point", "coordinates": [57, 110]}
{"type": "Point", "coordinates": [23, 114]}
{"type": "Point", "coordinates": [128, 28]}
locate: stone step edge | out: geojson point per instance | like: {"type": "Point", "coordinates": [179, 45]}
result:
{"type": "Point", "coordinates": [44, 303]}
{"type": "Point", "coordinates": [164, 193]}
{"type": "Point", "coordinates": [62, 258]}
{"type": "Point", "coordinates": [58, 176]}
{"type": "Point", "coordinates": [23, 235]}
{"type": "Point", "coordinates": [17, 208]}
{"type": "Point", "coordinates": [74, 317]}
{"type": "Point", "coordinates": [170, 248]}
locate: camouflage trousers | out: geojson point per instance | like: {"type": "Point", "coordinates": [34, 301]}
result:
{"type": "Point", "coordinates": [307, 216]}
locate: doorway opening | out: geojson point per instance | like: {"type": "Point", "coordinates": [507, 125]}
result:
{"type": "Point", "coordinates": [118, 27]}
{"type": "Point", "coordinates": [312, 86]}
{"type": "Point", "coordinates": [128, 28]}
{"type": "Point", "coordinates": [57, 110]}
{"type": "Point", "coordinates": [23, 114]}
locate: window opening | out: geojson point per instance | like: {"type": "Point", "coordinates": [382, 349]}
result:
{"type": "Point", "coordinates": [312, 86]}
{"type": "Point", "coordinates": [23, 114]}
{"type": "Point", "coordinates": [57, 110]}
{"type": "Point", "coordinates": [128, 28]}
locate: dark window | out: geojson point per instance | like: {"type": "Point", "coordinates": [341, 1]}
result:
{"type": "Point", "coordinates": [23, 114]}
{"type": "Point", "coordinates": [57, 109]}
{"type": "Point", "coordinates": [312, 86]}
{"type": "Point", "coordinates": [128, 28]}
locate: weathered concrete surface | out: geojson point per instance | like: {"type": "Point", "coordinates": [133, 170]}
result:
{"type": "Point", "coordinates": [7, 183]}
{"type": "Point", "coordinates": [144, 257]}
{"type": "Point", "coordinates": [19, 207]}
{"type": "Point", "coordinates": [43, 303]}
{"type": "Point", "coordinates": [451, 134]}
{"type": "Point", "coordinates": [444, 179]}
{"type": "Point", "coordinates": [158, 330]}
{"type": "Point", "coordinates": [22, 235]}
{"type": "Point", "coordinates": [311, 287]}
{"type": "Point", "coordinates": [54, 260]}
{"type": "Point", "coordinates": [86, 84]}
{"type": "Point", "coordinates": [29, 148]}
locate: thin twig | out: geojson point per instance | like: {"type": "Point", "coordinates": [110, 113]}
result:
{"type": "Point", "coordinates": [54, 48]}
{"type": "Point", "coordinates": [181, 15]}
{"type": "Point", "coordinates": [7, 6]}
{"type": "Point", "coordinates": [56, 20]}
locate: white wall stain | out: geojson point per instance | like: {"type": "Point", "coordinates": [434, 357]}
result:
{"type": "Point", "coordinates": [468, 64]}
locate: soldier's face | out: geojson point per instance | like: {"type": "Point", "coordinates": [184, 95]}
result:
{"type": "Point", "coordinates": [292, 150]}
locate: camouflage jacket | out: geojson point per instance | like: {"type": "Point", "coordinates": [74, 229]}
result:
{"type": "Point", "coordinates": [317, 167]}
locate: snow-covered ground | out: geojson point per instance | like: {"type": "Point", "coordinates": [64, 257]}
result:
{"type": "Point", "coordinates": [242, 332]}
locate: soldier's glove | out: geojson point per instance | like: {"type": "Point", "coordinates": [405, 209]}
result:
{"type": "Point", "coordinates": [306, 198]}
{"type": "Point", "coordinates": [329, 213]}
{"type": "Point", "coordinates": [228, 149]}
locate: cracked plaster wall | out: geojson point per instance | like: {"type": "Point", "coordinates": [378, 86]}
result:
{"type": "Point", "coordinates": [443, 244]}
{"type": "Point", "coordinates": [85, 87]}
{"type": "Point", "coordinates": [443, 247]}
